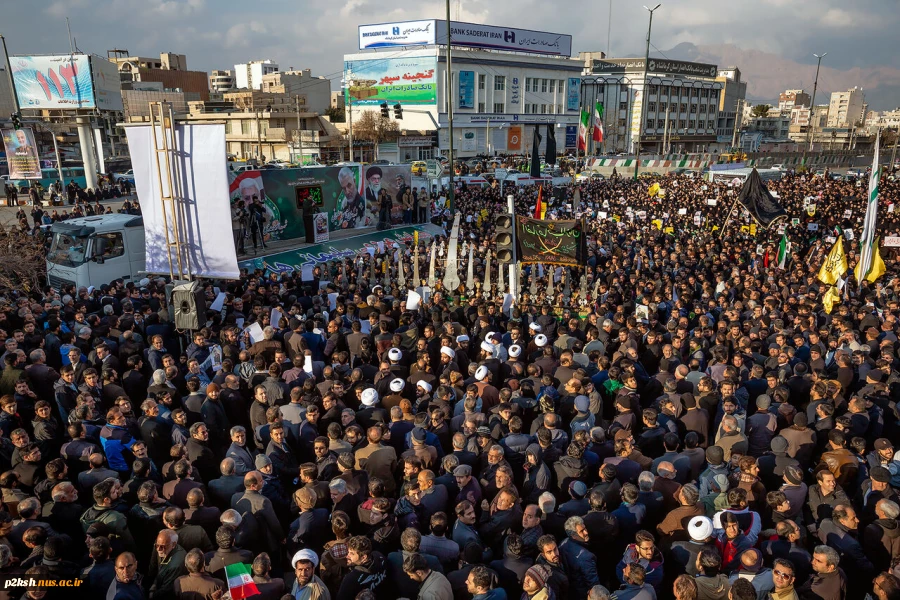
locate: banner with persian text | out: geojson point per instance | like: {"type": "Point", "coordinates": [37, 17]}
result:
{"type": "Point", "coordinates": [551, 242]}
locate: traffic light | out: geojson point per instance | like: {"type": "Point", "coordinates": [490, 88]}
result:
{"type": "Point", "coordinates": [398, 111]}
{"type": "Point", "coordinates": [503, 236]}
{"type": "Point", "coordinates": [385, 114]}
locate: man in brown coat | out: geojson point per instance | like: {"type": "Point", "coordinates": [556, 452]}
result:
{"type": "Point", "coordinates": [674, 527]}
{"type": "Point", "coordinates": [197, 584]}
{"type": "Point", "coordinates": [378, 460]}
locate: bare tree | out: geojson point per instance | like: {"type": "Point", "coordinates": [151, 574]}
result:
{"type": "Point", "coordinates": [22, 263]}
{"type": "Point", "coordinates": [372, 127]}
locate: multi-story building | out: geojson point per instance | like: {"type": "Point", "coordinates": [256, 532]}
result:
{"type": "Point", "coordinates": [679, 112]}
{"type": "Point", "coordinates": [250, 75]}
{"type": "Point", "coordinates": [313, 92]}
{"type": "Point", "coordinates": [774, 129]}
{"type": "Point", "coordinates": [170, 70]}
{"type": "Point", "coordinates": [731, 100]}
{"type": "Point", "coordinates": [337, 100]}
{"type": "Point", "coordinates": [501, 96]}
{"type": "Point", "coordinates": [790, 99]}
{"type": "Point", "coordinates": [846, 109]}
{"type": "Point", "coordinates": [221, 81]}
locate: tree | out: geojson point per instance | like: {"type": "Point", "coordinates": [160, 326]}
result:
{"type": "Point", "coordinates": [760, 110]}
{"type": "Point", "coordinates": [22, 262]}
{"type": "Point", "coordinates": [372, 127]}
{"type": "Point", "coordinates": [336, 114]}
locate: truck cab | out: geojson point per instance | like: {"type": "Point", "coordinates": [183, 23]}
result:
{"type": "Point", "coordinates": [96, 250]}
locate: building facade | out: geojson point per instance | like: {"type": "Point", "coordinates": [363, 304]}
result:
{"type": "Point", "coordinates": [731, 101]}
{"type": "Point", "coordinates": [846, 109]}
{"type": "Point", "coordinates": [790, 99]}
{"type": "Point", "coordinates": [221, 81]}
{"type": "Point", "coordinates": [314, 92]}
{"type": "Point", "coordinates": [679, 112]}
{"type": "Point", "coordinates": [170, 70]}
{"type": "Point", "coordinates": [250, 75]}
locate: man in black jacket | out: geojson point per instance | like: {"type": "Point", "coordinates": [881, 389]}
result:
{"type": "Point", "coordinates": [156, 432]}
{"type": "Point", "coordinates": [368, 569]}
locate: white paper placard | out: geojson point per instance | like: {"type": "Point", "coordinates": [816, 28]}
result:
{"type": "Point", "coordinates": [218, 303]}
{"type": "Point", "coordinates": [813, 227]}
{"type": "Point", "coordinates": [306, 272]}
{"type": "Point", "coordinates": [256, 332]}
{"type": "Point", "coordinates": [332, 301]}
{"type": "Point", "coordinates": [849, 234]}
{"type": "Point", "coordinates": [275, 318]}
{"type": "Point", "coordinates": [682, 211]}
{"type": "Point", "coordinates": [413, 299]}
{"type": "Point", "coordinates": [711, 202]}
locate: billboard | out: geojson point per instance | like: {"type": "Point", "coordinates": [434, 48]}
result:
{"type": "Point", "coordinates": [656, 65]}
{"type": "Point", "coordinates": [392, 35]}
{"type": "Point", "coordinates": [107, 84]}
{"type": "Point", "coordinates": [551, 242]}
{"type": "Point", "coordinates": [469, 140]}
{"type": "Point", "coordinates": [406, 80]}
{"type": "Point", "coordinates": [573, 93]}
{"type": "Point", "coordinates": [514, 138]}
{"type": "Point", "coordinates": [393, 180]}
{"type": "Point", "coordinates": [467, 89]}
{"type": "Point", "coordinates": [474, 35]}
{"type": "Point", "coordinates": [21, 154]}
{"type": "Point", "coordinates": [53, 82]}
{"type": "Point", "coordinates": [571, 136]}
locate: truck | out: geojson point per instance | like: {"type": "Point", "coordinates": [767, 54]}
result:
{"type": "Point", "coordinates": [94, 250]}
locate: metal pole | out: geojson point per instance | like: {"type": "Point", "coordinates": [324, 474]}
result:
{"type": "Point", "coordinates": [299, 129]}
{"type": "Point", "coordinates": [258, 139]}
{"type": "Point", "coordinates": [637, 161]}
{"type": "Point", "coordinates": [59, 171]}
{"type": "Point", "coordinates": [608, 28]}
{"type": "Point", "coordinates": [450, 196]}
{"type": "Point", "coordinates": [487, 137]}
{"type": "Point", "coordinates": [12, 86]}
{"type": "Point", "coordinates": [812, 107]}
{"type": "Point", "coordinates": [350, 109]}
{"type": "Point", "coordinates": [665, 147]}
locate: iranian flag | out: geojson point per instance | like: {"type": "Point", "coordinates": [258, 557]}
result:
{"type": "Point", "coordinates": [598, 123]}
{"type": "Point", "coordinates": [784, 248]}
{"type": "Point", "coordinates": [582, 130]}
{"type": "Point", "coordinates": [240, 584]}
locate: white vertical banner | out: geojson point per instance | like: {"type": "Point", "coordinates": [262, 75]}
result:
{"type": "Point", "coordinates": [201, 200]}
{"type": "Point", "coordinates": [98, 147]}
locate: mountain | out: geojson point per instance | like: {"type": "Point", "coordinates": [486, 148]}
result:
{"type": "Point", "coordinates": [768, 75]}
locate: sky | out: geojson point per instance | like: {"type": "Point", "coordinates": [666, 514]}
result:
{"type": "Point", "coordinates": [216, 34]}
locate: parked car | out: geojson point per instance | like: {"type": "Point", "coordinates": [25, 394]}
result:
{"type": "Point", "coordinates": [419, 167]}
{"type": "Point", "coordinates": [124, 176]}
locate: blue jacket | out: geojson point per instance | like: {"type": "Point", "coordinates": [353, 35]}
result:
{"type": "Point", "coordinates": [581, 567]}
{"type": "Point", "coordinates": [115, 440]}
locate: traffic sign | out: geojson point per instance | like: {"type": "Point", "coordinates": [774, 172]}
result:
{"type": "Point", "coordinates": [434, 168]}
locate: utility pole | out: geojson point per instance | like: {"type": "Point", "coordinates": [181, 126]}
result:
{"type": "Point", "coordinates": [812, 108]}
{"type": "Point", "coordinates": [637, 161]}
{"type": "Point", "coordinates": [299, 129]}
{"type": "Point", "coordinates": [349, 84]}
{"type": "Point", "coordinates": [258, 139]}
{"type": "Point", "coordinates": [451, 200]}
{"type": "Point", "coordinates": [12, 86]}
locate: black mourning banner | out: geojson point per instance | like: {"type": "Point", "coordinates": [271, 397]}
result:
{"type": "Point", "coordinates": [762, 206]}
{"type": "Point", "coordinates": [551, 242]}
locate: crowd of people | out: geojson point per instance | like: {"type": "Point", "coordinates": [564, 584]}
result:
{"type": "Point", "coordinates": [730, 440]}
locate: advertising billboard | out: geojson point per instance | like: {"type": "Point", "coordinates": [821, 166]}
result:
{"type": "Point", "coordinates": [21, 154]}
{"type": "Point", "coordinates": [53, 82]}
{"type": "Point", "coordinates": [406, 80]}
{"type": "Point", "coordinates": [474, 35]}
{"type": "Point", "coordinates": [392, 35]}
{"type": "Point", "coordinates": [573, 93]}
{"type": "Point", "coordinates": [107, 84]}
{"type": "Point", "coordinates": [571, 135]}
{"type": "Point", "coordinates": [467, 89]}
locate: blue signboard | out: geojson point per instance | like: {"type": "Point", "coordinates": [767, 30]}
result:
{"type": "Point", "coordinates": [573, 94]}
{"type": "Point", "coordinates": [571, 135]}
{"type": "Point", "coordinates": [467, 89]}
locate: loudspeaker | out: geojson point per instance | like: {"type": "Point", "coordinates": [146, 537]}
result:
{"type": "Point", "coordinates": [189, 305]}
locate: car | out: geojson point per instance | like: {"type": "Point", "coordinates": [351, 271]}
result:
{"type": "Point", "coordinates": [778, 167]}
{"type": "Point", "coordinates": [419, 167]}
{"type": "Point", "coordinates": [381, 161]}
{"type": "Point", "coordinates": [124, 176]}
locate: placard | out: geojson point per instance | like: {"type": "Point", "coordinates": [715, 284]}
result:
{"type": "Point", "coordinates": [892, 241]}
{"type": "Point", "coordinates": [849, 234]}
{"type": "Point", "coordinates": [320, 225]}
{"type": "Point", "coordinates": [711, 202]}
{"type": "Point", "coordinates": [813, 226]}
{"type": "Point", "coordinates": [682, 211]}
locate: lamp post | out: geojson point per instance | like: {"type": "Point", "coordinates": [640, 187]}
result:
{"type": "Point", "coordinates": [637, 161]}
{"type": "Point", "coordinates": [812, 108]}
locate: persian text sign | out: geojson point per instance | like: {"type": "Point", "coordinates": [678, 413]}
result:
{"type": "Point", "coordinates": [551, 242]}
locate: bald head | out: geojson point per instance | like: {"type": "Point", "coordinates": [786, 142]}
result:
{"type": "Point", "coordinates": [666, 470]}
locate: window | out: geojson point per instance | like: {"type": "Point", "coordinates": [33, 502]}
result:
{"type": "Point", "coordinates": [499, 107]}
{"type": "Point", "coordinates": [543, 109]}
{"type": "Point", "coordinates": [534, 108]}
{"type": "Point", "coordinates": [693, 109]}
{"type": "Point", "coordinates": [682, 124]}
{"type": "Point", "coordinates": [534, 84]}
{"type": "Point", "coordinates": [481, 107]}
{"type": "Point", "coordinates": [527, 83]}
{"type": "Point", "coordinates": [527, 109]}
{"type": "Point", "coordinates": [481, 80]}
{"type": "Point", "coordinates": [684, 107]}
{"type": "Point", "coordinates": [499, 83]}
{"type": "Point", "coordinates": [543, 86]}
{"type": "Point", "coordinates": [623, 106]}
{"type": "Point", "coordinates": [552, 86]}
{"type": "Point", "coordinates": [245, 127]}
{"type": "Point", "coordinates": [701, 124]}
{"type": "Point", "coordinates": [227, 127]}
{"type": "Point", "coordinates": [660, 124]}
{"type": "Point", "coordinates": [649, 123]}
{"type": "Point", "coordinates": [108, 245]}
{"type": "Point", "coordinates": [651, 106]}
{"type": "Point", "coordinates": [653, 89]}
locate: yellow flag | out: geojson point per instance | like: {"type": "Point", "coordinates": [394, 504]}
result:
{"type": "Point", "coordinates": [832, 296]}
{"type": "Point", "coordinates": [416, 237]}
{"type": "Point", "coordinates": [877, 269]}
{"type": "Point", "coordinates": [658, 223]}
{"type": "Point", "coordinates": [653, 189]}
{"type": "Point", "coordinates": [670, 230]}
{"type": "Point", "coordinates": [835, 264]}
{"type": "Point", "coordinates": [752, 228]}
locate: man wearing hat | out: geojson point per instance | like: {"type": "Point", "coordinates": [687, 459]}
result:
{"type": "Point", "coordinates": [490, 396]}
{"type": "Point", "coordinates": [310, 529]}
{"type": "Point", "coordinates": [882, 455]}
{"type": "Point", "coordinates": [873, 490]}
{"type": "Point", "coordinates": [681, 558]}
{"type": "Point", "coordinates": [369, 412]}
{"type": "Point", "coordinates": [419, 448]}
{"type": "Point", "coordinates": [307, 584]}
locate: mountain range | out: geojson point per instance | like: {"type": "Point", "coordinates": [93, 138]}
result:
{"type": "Point", "coordinates": [767, 75]}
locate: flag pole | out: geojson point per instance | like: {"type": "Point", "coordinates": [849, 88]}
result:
{"type": "Point", "coordinates": [728, 218]}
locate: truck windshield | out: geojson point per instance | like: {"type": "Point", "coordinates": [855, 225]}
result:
{"type": "Point", "coordinates": [67, 250]}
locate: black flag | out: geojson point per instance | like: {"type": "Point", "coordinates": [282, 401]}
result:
{"type": "Point", "coordinates": [762, 206]}
{"type": "Point", "coordinates": [550, 150]}
{"type": "Point", "coordinates": [536, 153]}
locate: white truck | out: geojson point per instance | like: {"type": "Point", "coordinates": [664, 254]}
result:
{"type": "Point", "coordinates": [95, 250]}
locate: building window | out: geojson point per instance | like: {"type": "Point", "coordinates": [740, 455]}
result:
{"type": "Point", "coordinates": [649, 123]}
{"type": "Point", "coordinates": [482, 78]}
{"type": "Point", "coordinates": [660, 124]}
{"type": "Point", "coordinates": [527, 109]}
{"type": "Point", "coordinates": [682, 124]}
{"type": "Point", "coordinates": [543, 86]}
{"type": "Point", "coordinates": [552, 86]}
{"type": "Point", "coordinates": [543, 109]}
{"type": "Point", "coordinates": [701, 124]}
{"type": "Point", "coordinates": [559, 108]}
{"type": "Point", "coordinates": [499, 83]}
{"type": "Point", "coordinates": [651, 106]}
{"type": "Point", "coordinates": [227, 127]}
{"type": "Point", "coordinates": [653, 89]}
{"type": "Point", "coordinates": [245, 127]}
{"type": "Point", "coordinates": [693, 109]}
{"type": "Point", "coordinates": [527, 83]}
{"type": "Point", "coordinates": [481, 107]}
{"type": "Point", "coordinates": [684, 107]}
{"type": "Point", "coordinates": [499, 107]}
{"type": "Point", "coordinates": [623, 106]}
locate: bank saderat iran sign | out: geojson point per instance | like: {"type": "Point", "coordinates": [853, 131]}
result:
{"type": "Point", "coordinates": [473, 35]}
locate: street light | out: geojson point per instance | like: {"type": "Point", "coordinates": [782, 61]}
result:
{"type": "Point", "coordinates": [637, 161]}
{"type": "Point", "coordinates": [812, 108]}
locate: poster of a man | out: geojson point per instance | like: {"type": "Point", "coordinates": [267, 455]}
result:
{"type": "Point", "coordinates": [21, 154]}
{"type": "Point", "coordinates": [394, 180]}
{"type": "Point", "coordinates": [351, 210]}
{"type": "Point", "coordinates": [243, 189]}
